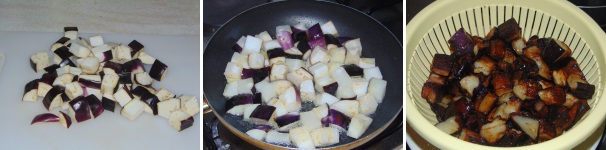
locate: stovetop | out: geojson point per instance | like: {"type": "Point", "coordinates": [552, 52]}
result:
{"type": "Point", "coordinates": [217, 12]}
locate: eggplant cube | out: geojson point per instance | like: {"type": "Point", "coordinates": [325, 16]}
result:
{"type": "Point", "coordinates": [337, 55]}
{"type": "Point", "coordinates": [39, 61]}
{"type": "Point", "coordinates": [180, 120]}
{"type": "Point", "coordinates": [366, 63]}
{"type": "Point", "coordinates": [483, 65]}
{"type": "Point", "coordinates": [262, 114]}
{"type": "Point", "coordinates": [52, 98]}
{"type": "Point", "coordinates": [301, 138]}
{"type": "Point", "coordinates": [310, 121]}
{"type": "Point", "coordinates": [109, 83]}
{"type": "Point", "coordinates": [555, 51]}
{"type": "Point", "coordinates": [307, 90]}
{"type": "Point", "coordinates": [167, 106]}
{"type": "Point", "coordinates": [485, 104]}
{"type": "Point", "coordinates": [74, 90]}
{"type": "Point", "coordinates": [493, 131]}
{"type": "Point", "coordinates": [509, 30]}
{"type": "Point", "coordinates": [134, 108]}
{"type": "Point", "coordinates": [80, 109]}
{"type": "Point", "coordinates": [347, 107]}
{"type": "Point", "coordinates": [164, 94]}
{"type": "Point", "coordinates": [325, 136]}
{"type": "Point", "coordinates": [502, 84]}
{"type": "Point", "coordinates": [360, 86]}
{"type": "Point", "coordinates": [450, 125]}
{"type": "Point", "coordinates": [31, 91]}
{"type": "Point", "coordinates": [278, 72]}
{"type": "Point", "coordinates": [584, 90]}
{"type": "Point", "coordinates": [553, 96]}
{"type": "Point", "coordinates": [442, 64]}
{"type": "Point", "coordinates": [460, 43]}
{"type": "Point", "coordinates": [96, 41]}
{"type": "Point", "coordinates": [252, 45]}
{"type": "Point", "coordinates": [190, 105]}
{"type": "Point", "coordinates": [256, 134]}
{"type": "Point", "coordinates": [319, 70]}
{"type": "Point", "coordinates": [373, 72]}
{"type": "Point", "coordinates": [123, 96]}
{"type": "Point", "coordinates": [377, 88]}
{"type": "Point", "coordinates": [276, 137]}
{"type": "Point", "coordinates": [319, 54]}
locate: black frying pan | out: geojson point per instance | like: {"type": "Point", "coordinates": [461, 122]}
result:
{"type": "Point", "coordinates": [377, 42]}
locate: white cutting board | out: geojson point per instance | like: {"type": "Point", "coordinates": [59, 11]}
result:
{"type": "Point", "coordinates": [110, 130]}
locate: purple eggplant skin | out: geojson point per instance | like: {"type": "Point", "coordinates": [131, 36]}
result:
{"type": "Point", "coordinates": [96, 106]}
{"type": "Point", "coordinates": [509, 30]}
{"type": "Point", "coordinates": [263, 127]}
{"type": "Point", "coordinates": [293, 56]}
{"type": "Point", "coordinates": [50, 96]}
{"type": "Point", "coordinates": [48, 78]}
{"type": "Point", "coordinates": [70, 29]}
{"type": "Point", "coordinates": [157, 70]}
{"type": "Point", "coordinates": [247, 73]}
{"type": "Point", "coordinates": [263, 112]}
{"type": "Point", "coordinates": [257, 98]}
{"type": "Point", "coordinates": [276, 52]}
{"type": "Point", "coordinates": [286, 119]}
{"type": "Point", "coordinates": [63, 52]}
{"type": "Point", "coordinates": [353, 70]}
{"type": "Point", "coordinates": [62, 40]}
{"type": "Point", "coordinates": [553, 52]}
{"type": "Point", "coordinates": [461, 43]}
{"type": "Point", "coordinates": [349, 98]}
{"type": "Point", "coordinates": [296, 31]}
{"type": "Point", "coordinates": [150, 99]}
{"type": "Point", "coordinates": [315, 32]}
{"type": "Point", "coordinates": [133, 65]}
{"type": "Point", "coordinates": [108, 104]}
{"type": "Point", "coordinates": [331, 88]}
{"type": "Point", "coordinates": [260, 74]}
{"type": "Point", "coordinates": [342, 40]}
{"type": "Point", "coordinates": [76, 78]}
{"type": "Point", "coordinates": [285, 40]}
{"type": "Point", "coordinates": [303, 46]}
{"type": "Point", "coordinates": [108, 56]}
{"type": "Point", "coordinates": [584, 90]}
{"type": "Point", "coordinates": [114, 66]}
{"type": "Point", "coordinates": [298, 36]}
{"type": "Point", "coordinates": [239, 99]}
{"type": "Point", "coordinates": [135, 46]}
{"type": "Point", "coordinates": [81, 108]}
{"type": "Point", "coordinates": [332, 40]}
{"type": "Point", "coordinates": [125, 78]}
{"type": "Point", "coordinates": [45, 117]}
{"type": "Point", "coordinates": [52, 68]}
{"type": "Point", "coordinates": [320, 41]}
{"type": "Point", "coordinates": [90, 83]}
{"type": "Point", "coordinates": [237, 48]}
{"type": "Point", "coordinates": [186, 123]}
{"type": "Point", "coordinates": [33, 65]}
{"type": "Point", "coordinates": [31, 85]}
{"type": "Point", "coordinates": [337, 118]}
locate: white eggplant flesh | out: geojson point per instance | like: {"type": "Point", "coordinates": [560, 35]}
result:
{"type": "Point", "coordinates": [325, 98]}
{"type": "Point", "coordinates": [298, 76]}
{"type": "Point", "coordinates": [493, 131]}
{"type": "Point", "coordinates": [377, 88]}
{"type": "Point", "coordinates": [277, 60]}
{"type": "Point", "coordinates": [360, 86]}
{"type": "Point", "coordinates": [276, 137]}
{"type": "Point", "coordinates": [470, 83]}
{"type": "Point", "coordinates": [248, 110]}
{"type": "Point", "coordinates": [280, 107]}
{"type": "Point", "coordinates": [294, 64]}
{"type": "Point", "coordinates": [75, 70]}
{"type": "Point", "coordinates": [264, 36]}
{"type": "Point", "coordinates": [145, 58]}
{"type": "Point", "coordinates": [43, 88]}
{"type": "Point", "coordinates": [354, 46]}
{"type": "Point", "coordinates": [109, 83]}
{"type": "Point", "coordinates": [530, 126]}
{"type": "Point", "coordinates": [231, 89]}
{"type": "Point", "coordinates": [41, 60]}
{"type": "Point", "coordinates": [291, 99]}
{"type": "Point", "coordinates": [319, 83]}
{"type": "Point", "coordinates": [301, 138]}
{"type": "Point", "coordinates": [245, 86]}
{"type": "Point", "coordinates": [190, 104]}
{"type": "Point", "coordinates": [307, 91]}
{"type": "Point", "coordinates": [281, 85]}
{"type": "Point", "coordinates": [358, 125]}
{"type": "Point", "coordinates": [373, 72]}
{"type": "Point", "coordinates": [337, 55]}
{"type": "Point", "coordinates": [238, 109]}
{"type": "Point", "coordinates": [450, 125]}
{"type": "Point", "coordinates": [325, 136]}
{"type": "Point", "coordinates": [321, 111]}
{"type": "Point", "coordinates": [256, 60]}
{"type": "Point", "coordinates": [278, 72]}
{"type": "Point", "coordinates": [123, 96]}
{"type": "Point", "coordinates": [166, 107]}
{"type": "Point", "coordinates": [233, 72]}
{"type": "Point", "coordinates": [79, 50]}
{"type": "Point", "coordinates": [143, 78]}
{"type": "Point", "coordinates": [71, 34]}
{"type": "Point", "coordinates": [63, 79]}
{"type": "Point", "coordinates": [164, 94]}
{"type": "Point", "coordinates": [352, 58]}
{"type": "Point", "coordinates": [368, 104]}
{"type": "Point", "coordinates": [310, 121]}
{"type": "Point", "coordinates": [350, 108]}
{"type": "Point", "coordinates": [62, 70]}
{"type": "Point", "coordinates": [252, 45]}
{"type": "Point", "coordinates": [133, 109]}
{"type": "Point", "coordinates": [266, 89]}
{"type": "Point", "coordinates": [319, 54]}
{"type": "Point", "coordinates": [319, 70]}
{"type": "Point", "coordinates": [366, 63]}
{"type": "Point", "coordinates": [269, 45]}
{"type": "Point", "coordinates": [180, 120]}
{"type": "Point", "coordinates": [329, 28]}
{"type": "Point", "coordinates": [240, 59]}
{"type": "Point", "coordinates": [256, 134]}
{"type": "Point", "coordinates": [96, 41]}
{"type": "Point", "coordinates": [89, 65]}
{"type": "Point", "coordinates": [73, 90]}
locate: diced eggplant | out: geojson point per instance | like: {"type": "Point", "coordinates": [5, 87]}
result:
{"type": "Point", "coordinates": [136, 66]}
{"type": "Point", "coordinates": [63, 53]}
{"type": "Point", "coordinates": [167, 106]}
{"type": "Point", "coordinates": [287, 119]}
{"type": "Point", "coordinates": [337, 55]}
{"type": "Point", "coordinates": [366, 63]}
{"type": "Point", "coordinates": [493, 131]}
{"type": "Point", "coordinates": [158, 70]}
{"type": "Point", "coordinates": [256, 134]}
{"type": "Point", "coordinates": [352, 58]}
{"type": "Point", "coordinates": [143, 78]}
{"type": "Point", "coordinates": [109, 83]}
{"type": "Point", "coordinates": [546, 130]}
{"type": "Point", "coordinates": [133, 108]}
{"type": "Point", "coordinates": [301, 138]}
{"type": "Point", "coordinates": [501, 83]}
{"type": "Point", "coordinates": [534, 53]}
{"type": "Point", "coordinates": [354, 70]}
{"type": "Point", "coordinates": [336, 119]}
{"type": "Point", "coordinates": [164, 94]}
{"type": "Point", "coordinates": [45, 117]}
{"type": "Point", "coordinates": [96, 40]}
{"type": "Point", "coordinates": [325, 136]}
{"type": "Point", "coordinates": [553, 96]}
{"type": "Point", "coordinates": [484, 105]}
{"type": "Point", "coordinates": [360, 86]}
{"type": "Point", "coordinates": [319, 70]}
{"type": "Point", "coordinates": [39, 61]}
{"type": "Point", "coordinates": [180, 120]}
{"type": "Point", "coordinates": [432, 92]}
{"type": "Point", "coordinates": [509, 30]}
{"type": "Point", "coordinates": [251, 45]}
{"type": "Point", "coordinates": [73, 90]}
{"type": "Point", "coordinates": [112, 68]}
{"type": "Point", "coordinates": [319, 54]}
{"type": "Point", "coordinates": [358, 126]}
{"type": "Point", "coordinates": [471, 136]}
{"type": "Point", "coordinates": [329, 28]}
{"type": "Point", "coordinates": [45, 83]}
{"type": "Point", "coordinates": [309, 120]}
{"type": "Point", "coordinates": [59, 43]}
{"type": "Point", "coordinates": [262, 114]}
{"type": "Point", "coordinates": [108, 104]}
{"type": "Point", "coordinates": [239, 44]}
{"type": "Point", "coordinates": [347, 107]}
{"type": "Point", "coordinates": [483, 65]}
{"type": "Point", "coordinates": [307, 90]}
{"type": "Point", "coordinates": [285, 39]}
{"type": "Point", "coordinates": [529, 125]}
{"type": "Point", "coordinates": [266, 89]}
{"type": "Point", "coordinates": [190, 104]}
{"type": "Point", "coordinates": [497, 49]}
{"type": "Point", "coordinates": [65, 120]}
{"type": "Point", "coordinates": [461, 43]}
{"type": "Point", "coordinates": [291, 99]}
{"type": "Point", "coordinates": [325, 98]}
{"type": "Point", "coordinates": [104, 56]}
{"type": "Point", "coordinates": [504, 110]}
{"type": "Point", "coordinates": [123, 95]}
{"type": "Point", "coordinates": [79, 50]}
{"type": "Point", "coordinates": [71, 32]}
{"type": "Point", "coordinates": [248, 110]}
{"type": "Point", "coordinates": [256, 60]}
{"type": "Point", "coordinates": [90, 81]}
{"type": "Point", "coordinates": [298, 76]}
{"type": "Point", "coordinates": [518, 44]}
{"type": "Point", "coordinates": [135, 47]}
{"type": "Point", "coordinates": [96, 106]}
{"type": "Point", "coordinates": [584, 90]}
{"type": "Point", "coordinates": [276, 137]}
{"type": "Point", "coordinates": [148, 98]}
{"type": "Point", "coordinates": [278, 72]}
{"type": "Point", "coordinates": [450, 125]}
{"type": "Point", "coordinates": [30, 92]}
{"type": "Point", "coordinates": [559, 77]}
{"type": "Point", "coordinates": [81, 109]}
{"type": "Point", "coordinates": [555, 51]}
{"type": "Point", "coordinates": [526, 89]}
{"type": "Point", "coordinates": [441, 64]}
{"type": "Point", "coordinates": [354, 46]}
{"type": "Point", "coordinates": [240, 99]}
{"type": "Point", "coordinates": [436, 79]}
{"type": "Point", "coordinates": [281, 85]}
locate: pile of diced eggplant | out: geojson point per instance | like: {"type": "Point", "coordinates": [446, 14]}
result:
{"type": "Point", "coordinates": [104, 77]}
{"type": "Point", "coordinates": [268, 79]}
{"type": "Point", "coordinates": [502, 90]}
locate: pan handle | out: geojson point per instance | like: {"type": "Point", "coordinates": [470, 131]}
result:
{"type": "Point", "coordinates": [205, 106]}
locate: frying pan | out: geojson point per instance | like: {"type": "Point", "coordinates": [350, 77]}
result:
{"type": "Point", "coordinates": [377, 43]}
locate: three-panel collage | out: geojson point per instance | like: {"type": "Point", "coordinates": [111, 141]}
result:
{"type": "Point", "coordinates": [302, 74]}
